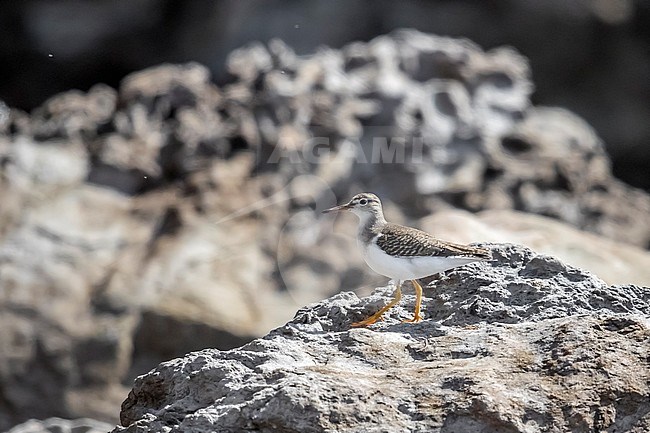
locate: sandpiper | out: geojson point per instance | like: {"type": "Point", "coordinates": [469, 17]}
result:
{"type": "Point", "coordinates": [403, 253]}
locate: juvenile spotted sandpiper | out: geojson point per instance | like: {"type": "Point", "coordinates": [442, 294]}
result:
{"type": "Point", "coordinates": [403, 253]}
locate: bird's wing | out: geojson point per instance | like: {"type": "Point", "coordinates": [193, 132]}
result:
{"type": "Point", "coordinates": [402, 241]}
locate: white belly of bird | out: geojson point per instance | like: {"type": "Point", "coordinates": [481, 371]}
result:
{"type": "Point", "coordinates": [410, 268]}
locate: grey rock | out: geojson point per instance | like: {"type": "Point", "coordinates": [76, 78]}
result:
{"type": "Point", "coordinates": [85, 308]}
{"type": "Point", "coordinates": [521, 285]}
{"type": "Point", "coordinates": [140, 223]}
{"type": "Point", "coordinates": [613, 262]}
{"type": "Point", "coordinates": [522, 344]}
{"type": "Point", "coordinates": [429, 122]}
{"type": "Point", "coordinates": [59, 425]}
{"type": "Point", "coordinates": [426, 121]}
{"type": "Point", "coordinates": [96, 42]}
{"type": "Point", "coordinates": [4, 115]}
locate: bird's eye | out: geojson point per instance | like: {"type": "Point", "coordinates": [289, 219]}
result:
{"type": "Point", "coordinates": [363, 202]}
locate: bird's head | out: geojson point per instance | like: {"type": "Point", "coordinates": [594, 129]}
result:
{"type": "Point", "coordinates": [362, 205]}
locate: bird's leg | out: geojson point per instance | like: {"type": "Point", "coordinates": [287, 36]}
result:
{"type": "Point", "coordinates": [375, 317]}
{"type": "Point", "coordinates": [418, 303]}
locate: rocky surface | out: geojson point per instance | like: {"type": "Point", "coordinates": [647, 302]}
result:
{"type": "Point", "coordinates": [613, 262]}
{"type": "Point", "coordinates": [58, 425]}
{"type": "Point", "coordinates": [430, 123]}
{"type": "Point", "coordinates": [589, 56]}
{"type": "Point", "coordinates": [170, 215]}
{"type": "Point", "coordinates": [524, 343]}
{"type": "Point", "coordinates": [423, 120]}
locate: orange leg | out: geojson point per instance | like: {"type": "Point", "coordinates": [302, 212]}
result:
{"type": "Point", "coordinates": [418, 302]}
{"type": "Point", "coordinates": [375, 317]}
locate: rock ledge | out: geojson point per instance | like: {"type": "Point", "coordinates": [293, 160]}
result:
{"type": "Point", "coordinates": [522, 344]}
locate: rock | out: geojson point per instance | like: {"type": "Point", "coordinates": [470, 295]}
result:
{"type": "Point", "coordinates": [98, 287]}
{"type": "Point", "coordinates": [65, 45]}
{"type": "Point", "coordinates": [428, 122]}
{"type": "Point", "coordinates": [524, 343]}
{"type": "Point", "coordinates": [55, 339]}
{"type": "Point", "coordinates": [173, 214]}
{"type": "Point", "coordinates": [58, 425]}
{"type": "Point", "coordinates": [614, 262]}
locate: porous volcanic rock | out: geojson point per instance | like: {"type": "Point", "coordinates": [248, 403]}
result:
{"type": "Point", "coordinates": [524, 343]}
{"type": "Point", "coordinates": [429, 122]}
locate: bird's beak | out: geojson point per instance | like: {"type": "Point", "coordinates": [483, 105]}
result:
{"type": "Point", "coordinates": [338, 208]}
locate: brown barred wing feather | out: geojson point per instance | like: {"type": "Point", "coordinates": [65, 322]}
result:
{"type": "Point", "coordinates": [401, 241]}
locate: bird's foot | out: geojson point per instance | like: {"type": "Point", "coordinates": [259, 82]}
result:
{"type": "Point", "coordinates": [367, 322]}
{"type": "Point", "coordinates": [415, 319]}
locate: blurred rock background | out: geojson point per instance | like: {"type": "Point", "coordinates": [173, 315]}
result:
{"type": "Point", "coordinates": [156, 212]}
{"type": "Point", "coordinates": [590, 56]}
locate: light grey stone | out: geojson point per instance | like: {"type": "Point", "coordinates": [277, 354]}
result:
{"type": "Point", "coordinates": [522, 344]}
{"type": "Point", "coordinates": [59, 425]}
